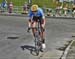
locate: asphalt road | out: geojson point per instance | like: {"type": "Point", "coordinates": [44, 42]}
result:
{"type": "Point", "coordinates": [13, 36]}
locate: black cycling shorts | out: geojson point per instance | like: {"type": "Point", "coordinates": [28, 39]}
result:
{"type": "Point", "coordinates": [36, 19]}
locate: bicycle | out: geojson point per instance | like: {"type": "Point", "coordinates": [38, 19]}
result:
{"type": "Point", "coordinates": [38, 43]}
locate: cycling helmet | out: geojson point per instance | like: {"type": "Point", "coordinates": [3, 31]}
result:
{"type": "Point", "coordinates": [34, 8]}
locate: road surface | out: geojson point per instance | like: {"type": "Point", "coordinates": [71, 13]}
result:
{"type": "Point", "coordinates": [16, 43]}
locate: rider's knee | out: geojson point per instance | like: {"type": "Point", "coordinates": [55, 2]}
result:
{"type": "Point", "coordinates": [43, 29]}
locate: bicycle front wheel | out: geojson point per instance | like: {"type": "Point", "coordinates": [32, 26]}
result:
{"type": "Point", "coordinates": [37, 47]}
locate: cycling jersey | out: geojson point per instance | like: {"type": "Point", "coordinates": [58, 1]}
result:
{"type": "Point", "coordinates": [39, 13]}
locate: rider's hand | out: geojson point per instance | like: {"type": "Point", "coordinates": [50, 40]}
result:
{"type": "Point", "coordinates": [28, 30]}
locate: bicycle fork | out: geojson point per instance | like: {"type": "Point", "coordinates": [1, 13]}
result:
{"type": "Point", "coordinates": [38, 43]}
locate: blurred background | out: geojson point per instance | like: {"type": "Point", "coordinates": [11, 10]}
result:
{"type": "Point", "coordinates": [49, 6]}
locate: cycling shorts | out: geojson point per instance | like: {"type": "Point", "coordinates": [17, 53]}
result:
{"type": "Point", "coordinates": [36, 19]}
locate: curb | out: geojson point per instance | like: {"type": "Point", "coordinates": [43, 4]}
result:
{"type": "Point", "coordinates": [66, 51]}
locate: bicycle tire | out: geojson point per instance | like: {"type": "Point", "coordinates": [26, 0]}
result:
{"type": "Point", "coordinates": [36, 47]}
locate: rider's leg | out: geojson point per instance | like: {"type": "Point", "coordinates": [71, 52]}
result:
{"type": "Point", "coordinates": [43, 30]}
{"type": "Point", "coordinates": [33, 27]}
{"type": "Point", "coordinates": [42, 34]}
{"type": "Point", "coordinates": [43, 38]}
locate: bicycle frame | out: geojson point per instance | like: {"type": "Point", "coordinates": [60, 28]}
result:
{"type": "Point", "coordinates": [38, 43]}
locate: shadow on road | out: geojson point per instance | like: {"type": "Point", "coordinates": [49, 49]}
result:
{"type": "Point", "coordinates": [12, 37]}
{"type": "Point", "coordinates": [29, 48]}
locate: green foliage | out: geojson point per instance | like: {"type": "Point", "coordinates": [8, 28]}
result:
{"type": "Point", "coordinates": [41, 3]}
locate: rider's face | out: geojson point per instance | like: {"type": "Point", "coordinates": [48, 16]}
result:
{"type": "Point", "coordinates": [34, 12]}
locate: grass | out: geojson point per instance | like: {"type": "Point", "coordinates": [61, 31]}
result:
{"type": "Point", "coordinates": [46, 3]}
{"type": "Point", "coordinates": [41, 3]}
{"type": "Point", "coordinates": [16, 2]}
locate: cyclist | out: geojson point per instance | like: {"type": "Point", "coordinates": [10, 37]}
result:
{"type": "Point", "coordinates": [36, 14]}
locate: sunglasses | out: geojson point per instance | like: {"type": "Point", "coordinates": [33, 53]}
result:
{"type": "Point", "coordinates": [34, 11]}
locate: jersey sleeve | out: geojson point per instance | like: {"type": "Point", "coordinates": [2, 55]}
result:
{"type": "Point", "coordinates": [30, 14]}
{"type": "Point", "coordinates": [42, 13]}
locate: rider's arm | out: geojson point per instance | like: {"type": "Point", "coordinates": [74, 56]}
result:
{"type": "Point", "coordinates": [30, 15]}
{"type": "Point", "coordinates": [43, 16]}
{"type": "Point", "coordinates": [29, 21]}
{"type": "Point", "coordinates": [42, 13]}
